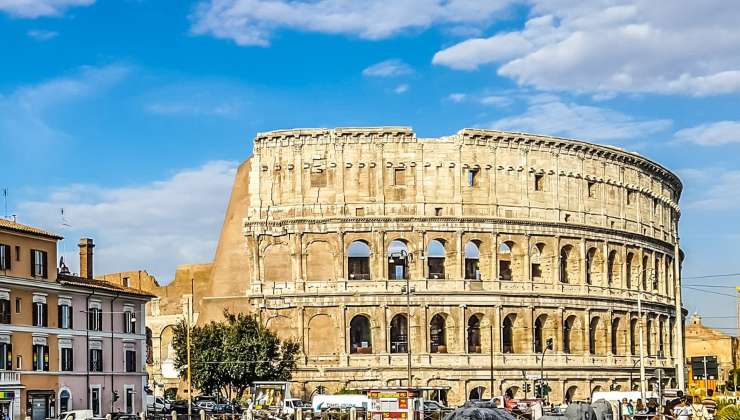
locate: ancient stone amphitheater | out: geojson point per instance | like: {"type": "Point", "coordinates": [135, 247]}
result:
{"type": "Point", "coordinates": [506, 239]}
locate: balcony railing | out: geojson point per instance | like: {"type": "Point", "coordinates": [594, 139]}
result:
{"type": "Point", "coordinates": [8, 377]}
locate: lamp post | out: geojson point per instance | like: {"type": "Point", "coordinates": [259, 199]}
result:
{"type": "Point", "coordinates": [403, 255]}
{"type": "Point", "coordinates": [548, 346]}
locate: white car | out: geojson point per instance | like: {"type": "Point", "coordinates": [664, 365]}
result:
{"type": "Point", "coordinates": [157, 404]}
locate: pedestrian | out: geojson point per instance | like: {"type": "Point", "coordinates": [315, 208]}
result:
{"type": "Point", "coordinates": [631, 408]}
{"type": "Point", "coordinates": [640, 408]}
{"type": "Point", "coordinates": [626, 415]}
{"type": "Point", "coordinates": [682, 411]}
{"type": "Point", "coordinates": [709, 403]}
{"type": "Point", "coordinates": [700, 411]}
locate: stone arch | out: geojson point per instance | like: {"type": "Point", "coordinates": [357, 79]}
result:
{"type": "Point", "coordinates": [614, 269]}
{"type": "Point", "coordinates": [472, 260]}
{"type": "Point", "coordinates": [571, 393]}
{"type": "Point", "coordinates": [657, 272]}
{"type": "Point", "coordinates": [358, 260]}
{"type": "Point", "coordinates": [319, 262]}
{"type": "Point", "coordinates": [568, 265]}
{"type": "Point", "coordinates": [473, 333]}
{"type": "Point", "coordinates": [597, 336]}
{"type": "Point", "coordinates": [631, 269]}
{"type": "Point", "coordinates": [323, 336]}
{"type": "Point", "coordinates": [594, 265]}
{"type": "Point", "coordinates": [506, 261]}
{"type": "Point", "coordinates": [438, 333]}
{"type": "Point", "coordinates": [539, 264]}
{"type": "Point", "coordinates": [649, 337]}
{"type": "Point", "coordinates": [544, 328]}
{"type": "Point", "coordinates": [166, 344]}
{"type": "Point", "coordinates": [476, 393]}
{"type": "Point", "coordinates": [399, 334]}
{"type": "Point", "coordinates": [282, 326]}
{"type": "Point", "coordinates": [633, 336]}
{"type": "Point", "coordinates": [436, 256]}
{"type": "Point", "coordinates": [572, 338]}
{"type": "Point", "coordinates": [644, 274]}
{"type": "Point", "coordinates": [360, 335]}
{"type": "Point", "coordinates": [619, 337]}
{"type": "Point", "coordinates": [511, 392]}
{"type": "Point", "coordinates": [278, 263]}
{"type": "Point", "coordinates": [513, 334]}
{"type": "Point", "coordinates": [399, 258]}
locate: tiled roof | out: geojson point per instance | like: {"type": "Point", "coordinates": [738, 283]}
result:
{"type": "Point", "coordinates": [70, 280]}
{"type": "Point", "coordinates": [17, 227]}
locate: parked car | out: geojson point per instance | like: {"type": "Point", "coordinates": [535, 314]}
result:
{"type": "Point", "coordinates": [157, 404]}
{"type": "Point", "coordinates": [227, 409]}
{"type": "Point", "coordinates": [181, 407]}
{"type": "Point", "coordinates": [207, 405]}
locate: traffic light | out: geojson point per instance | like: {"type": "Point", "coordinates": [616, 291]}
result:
{"type": "Point", "coordinates": [115, 396]}
{"type": "Point", "coordinates": [537, 390]}
{"type": "Point", "coordinates": [527, 387]}
{"type": "Point", "coordinates": [548, 343]}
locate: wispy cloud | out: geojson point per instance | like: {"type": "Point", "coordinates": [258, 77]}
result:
{"type": "Point", "coordinates": [42, 35]}
{"type": "Point", "coordinates": [24, 112]}
{"type": "Point", "coordinates": [402, 88]}
{"type": "Point", "coordinates": [31, 9]}
{"type": "Point", "coordinates": [253, 22]}
{"type": "Point", "coordinates": [499, 101]}
{"type": "Point", "coordinates": [190, 98]}
{"type": "Point", "coordinates": [457, 97]}
{"type": "Point", "coordinates": [548, 114]}
{"type": "Point", "coordinates": [711, 134]}
{"type": "Point", "coordinates": [388, 68]}
{"type": "Point", "coordinates": [713, 189]}
{"type": "Point", "coordinates": [154, 226]}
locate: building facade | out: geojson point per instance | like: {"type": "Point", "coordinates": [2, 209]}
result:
{"type": "Point", "coordinates": [701, 341]}
{"type": "Point", "coordinates": [67, 342]}
{"type": "Point", "coordinates": [505, 239]}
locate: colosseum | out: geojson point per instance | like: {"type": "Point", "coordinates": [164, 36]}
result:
{"type": "Point", "coordinates": [507, 241]}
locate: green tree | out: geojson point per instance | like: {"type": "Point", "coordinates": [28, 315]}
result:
{"type": "Point", "coordinates": [730, 383]}
{"type": "Point", "coordinates": [227, 356]}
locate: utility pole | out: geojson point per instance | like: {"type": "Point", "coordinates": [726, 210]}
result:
{"type": "Point", "coordinates": [706, 383]}
{"type": "Point", "coordinates": [642, 349]}
{"type": "Point", "coordinates": [491, 348]}
{"type": "Point", "coordinates": [408, 330]}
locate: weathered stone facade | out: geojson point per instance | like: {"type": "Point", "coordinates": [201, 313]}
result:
{"type": "Point", "coordinates": [507, 239]}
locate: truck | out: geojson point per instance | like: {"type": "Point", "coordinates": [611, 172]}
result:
{"type": "Point", "coordinates": [325, 402]}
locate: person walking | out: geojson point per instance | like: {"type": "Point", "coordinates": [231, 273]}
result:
{"type": "Point", "coordinates": [709, 403]}
{"type": "Point", "coordinates": [626, 409]}
{"type": "Point", "coordinates": [683, 411]}
{"type": "Point", "coordinates": [699, 410]}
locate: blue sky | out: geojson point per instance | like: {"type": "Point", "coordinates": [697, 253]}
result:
{"type": "Point", "coordinates": [132, 114]}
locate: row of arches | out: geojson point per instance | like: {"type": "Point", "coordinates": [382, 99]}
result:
{"type": "Point", "coordinates": [540, 262]}
{"type": "Point", "coordinates": [619, 337]}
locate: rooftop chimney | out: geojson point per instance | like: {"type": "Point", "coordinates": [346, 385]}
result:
{"type": "Point", "coordinates": [86, 257]}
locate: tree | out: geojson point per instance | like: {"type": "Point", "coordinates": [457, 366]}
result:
{"type": "Point", "coordinates": [730, 384]}
{"type": "Point", "coordinates": [227, 356]}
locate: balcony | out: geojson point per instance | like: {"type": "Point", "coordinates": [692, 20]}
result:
{"type": "Point", "coordinates": [8, 377]}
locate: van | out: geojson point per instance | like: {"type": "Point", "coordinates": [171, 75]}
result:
{"type": "Point", "coordinates": [77, 415]}
{"type": "Point", "coordinates": [338, 402]}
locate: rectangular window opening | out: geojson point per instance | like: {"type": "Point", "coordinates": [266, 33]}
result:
{"type": "Point", "coordinates": [473, 177]}
{"type": "Point", "coordinates": [591, 189]}
{"type": "Point", "coordinates": [399, 176]}
{"type": "Point", "coordinates": [539, 182]}
{"type": "Point", "coordinates": [318, 179]}
{"type": "Point", "coordinates": [438, 211]}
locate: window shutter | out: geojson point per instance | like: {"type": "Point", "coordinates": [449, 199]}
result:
{"type": "Point", "coordinates": [60, 309]}
{"type": "Point", "coordinates": [45, 265]}
{"type": "Point", "coordinates": [100, 320]}
{"type": "Point", "coordinates": [35, 314]}
{"type": "Point", "coordinates": [125, 322]}
{"type": "Point", "coordinates": [33, 271]}
{"type": "Point", "coordinates": [89, 319]}
{"type": "Point", "coordinates": [35, 358]}
{"type": "Point", "coordinates": [71, 318]}
{"type": "Point", "coordinates": [46, 358]}
{"type": "Point", "coordinates": [9, 360]}
{"type": "Point", "coordinates": [7, 257]}
{"type": "Point", "coordinates": [44, 315]}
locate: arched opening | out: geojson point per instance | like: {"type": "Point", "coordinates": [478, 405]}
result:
{"type": "Point", "coordinates": [474, 341]}
{"type": "Point", "coordinates": [318, 342]}
{"type": "Point", "coordinates": [538, 337]}
{"type": "Point", "coordinates": [672, 326]}
{"type": "Point", "coordinates": [507, 334]}
{"type": "Point", "coordinates": [595, 389]}
{"type": "Point", "coordinates": [644, 272]}
{"type": "Point", "coordinates": [476, 393]}
{"type": "Point", "coordinates": [535, 261]}
{"type": "Point", "coordinates": [399, 334]}
{"type": "Point", "coordinates": [360, 335]}
{"type": "Point", "coordinates": [437, 334]}
{"type": "Point", "coordinates": [398, 260]}
{"type": "Point", "coordinates": [570, 394]}
{"type": "Point", "coordinates": [504, 261]}
{"type": "Point", "coordinates": [649, 337]}
{"type": "Point", "coordinates": [656, 274]}
{"type": "Point", "coordinates": [511, 392]}
{"type": "Point", "coordinates": [593, 266]}
{"type": "Point", "coordinates": [149, 346]}
{"type": "Point", "coordinates": [633, 336]}
{"type": "Point", "coordinates": [615, 336]}
{"type": "Point", "coordinates": [65, 400]}
{"type": "Point", "coordinates": [567, 266]}
{"type": "Point", "coordinates": [613, 268]}
{"type": "Point", "coordinates": [472, 260]}
{"type": "Point", "coordinates": [358, 261]}
{"type": "Point", "coordinates": [629, 267]}
{"type": "Point", "coordinates": [319, 262]}
{"type": "Point", "coordinates": [319, 390]}
{"type": "Point", "coordinates": [570, 335]}
{"type": "Point", "coordinates": [595, 336]}
{"type": "Point", "coordinates": [436, 259]}
{"type": "Point", "coordinates": [278, 263]}
{"type": "Point", "coordinates": [439, 395]}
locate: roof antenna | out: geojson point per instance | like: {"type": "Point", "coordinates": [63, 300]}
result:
{"type": "Point", "coordinates": [5, 197]}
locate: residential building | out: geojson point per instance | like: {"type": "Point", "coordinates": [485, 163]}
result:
{"type": "Point", "coordinates": [701, 341]}
{"type": "Point", "coordinates": [67, 341]}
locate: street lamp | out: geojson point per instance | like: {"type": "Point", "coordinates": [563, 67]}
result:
{"type": "Point", "coordinates": [548, 346]}
{"type": "Point", "coordinates": [407, 289]}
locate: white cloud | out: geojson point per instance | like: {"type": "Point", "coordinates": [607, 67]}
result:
{"type": "Point", "coordinates": [498, 101]}
{"type": "Point", "coordinates": [154, 226]}
{"type": "Point", "coordinates": [388, 68]}
{"type": "Point", "coordinates": [712, 189]}
{"type": "Point", "coordinates": [252, 22]}
{"type": "Point", "coordinates": [682, 47]}
{"type": "Point", "coordinates": [42, 35]}
{"type": "Point", "coordinates": [192, 109]}
{"type": "Point", "coordinates": [197, 98]}
{"type": "Point", "coordinates": [456, 97]}
{"type": "Point", "coordinates": [547, 114]}
{"type": "Point", "coordinates": [711, 134]}
{"type": "Point", "coordinates": [24, 112]}
{"type": "Point", "coordinates": [31, 9]}
{"type": "Point", "coordinates": [403, 88]}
